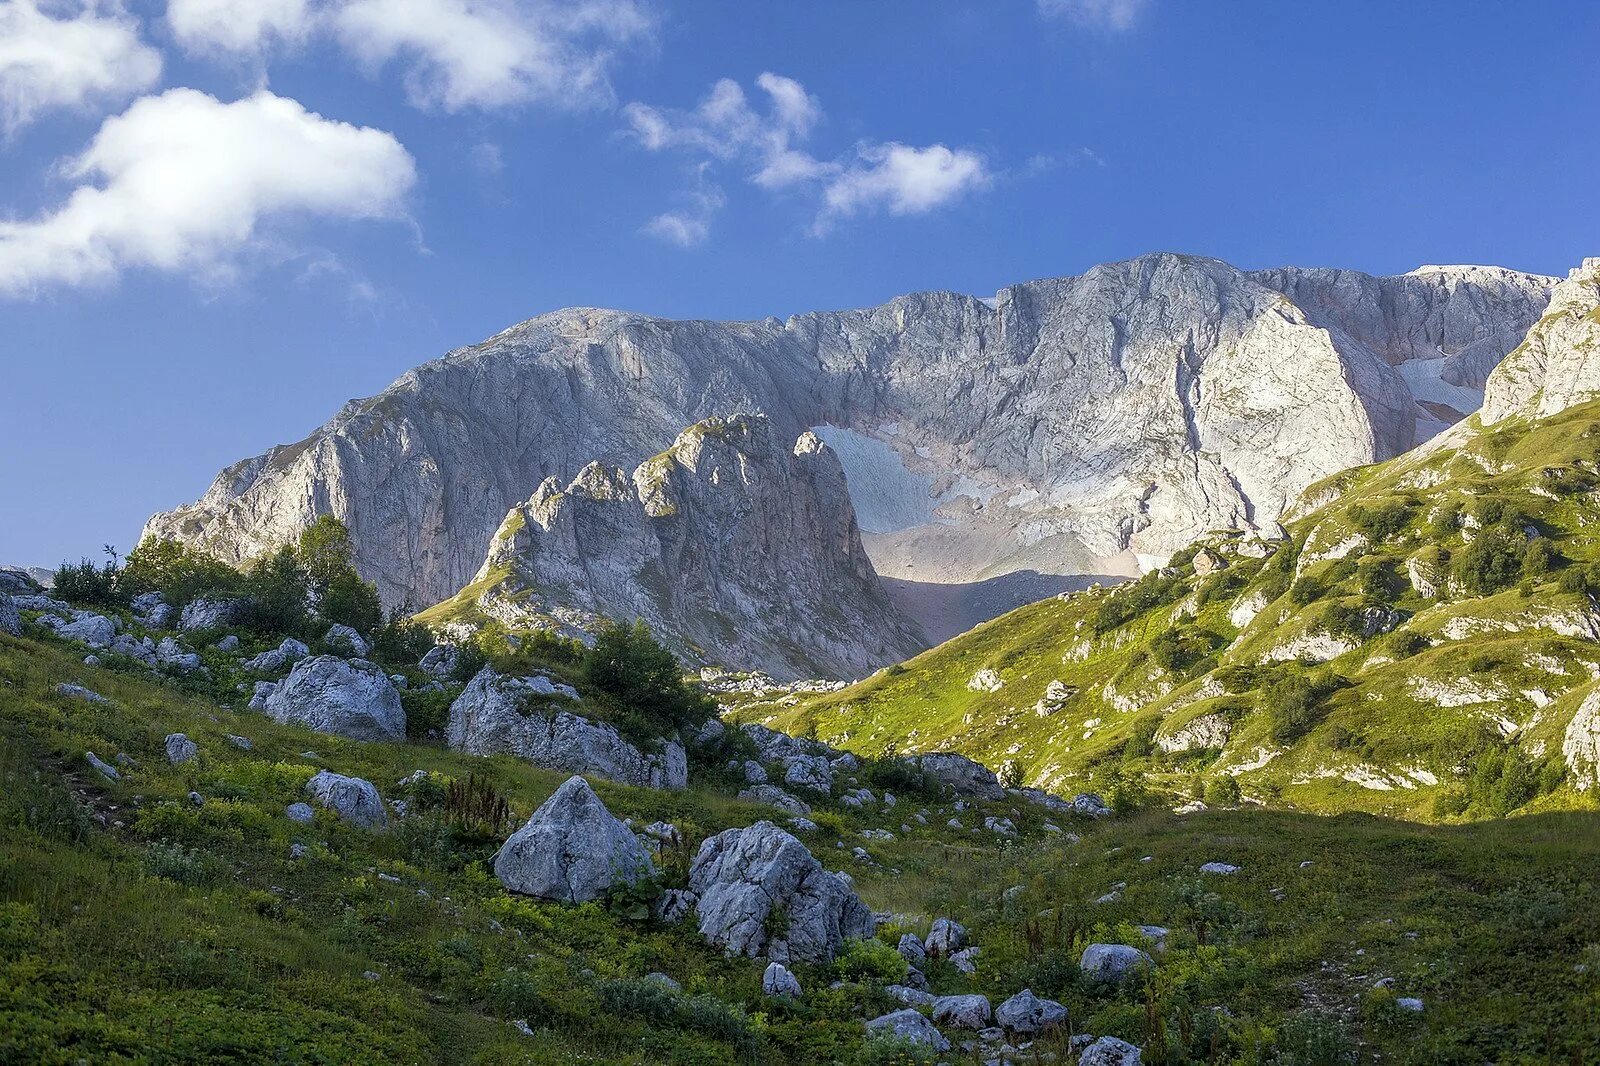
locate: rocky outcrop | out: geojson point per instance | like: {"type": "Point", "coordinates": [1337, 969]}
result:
{"type": "Point", "coordinates": [1028, 1013]}
{"type": "Point", "coordinates": [910, 1026]}
{"type": "Point", "coordinates": [10, 616]}
{"type": "Point", "coordinates": [1245, 388]}
{"type": "Point", "coordinates": [1112, 962]}
{"type": "Point", "coordinates": [524, 716]}
{"type": "Point", "coordinates": [1580, 744]}
{"type": "Point", "coordinates": [346, 697]}
{"type": "Point", "coordinates": [1558, 365]}
{"type": "Point", "coordinates": [745, 878]}
{"type": "Point", "coordinates": [353, 799]}
{"type": "Point", "coordinates": [961, 775]}
{"type": "Point", "coordinates": [1202, 731]}
{"type": "Point", "coordinates": [736, 547]}
{"type": "Point", "coordinates": [208, 613]}
{"type": "Point", "coordinates": [572, 850]}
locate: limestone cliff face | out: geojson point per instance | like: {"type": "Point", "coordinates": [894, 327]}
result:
{"type": "Point", "coordinates": [1559, 363]}
{"type": "Point", "coordinates": [735, 547]}
{"type": "Point", "coordinates": [1065, 423]}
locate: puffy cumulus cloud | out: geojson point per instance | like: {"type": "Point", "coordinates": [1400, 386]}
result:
{"type": "Point", "coordinates": [903, 180]}
{"type": "Point", "coordinates": [463, 54]}
{"type": "Point", "coordinates": [767, 141]}
{"type": "Point", "coordinates": [243, 26]}
{"type": "Point", "coordinates": [1098, 14]}
{"type": "Point", "coordinates": [68, 57]}
{"type": "Point", "coordinates": [184, 183]}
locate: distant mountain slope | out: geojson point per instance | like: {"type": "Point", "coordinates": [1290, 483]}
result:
{"type": "Point", "coordinates": [1426, 636]}
{"type": "Point", "coordinates": [737, 548]}
{"type": "Point", "coordinates": [1074, 425]}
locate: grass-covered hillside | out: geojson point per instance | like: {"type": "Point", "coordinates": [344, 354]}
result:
{"type": "Point", "coordinates": [140, 923]}
{"type": "Point", "coordinates": [1418, 644]}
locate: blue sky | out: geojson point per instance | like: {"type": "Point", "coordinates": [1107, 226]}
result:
{"type": "Point", "coordinates": [220, 219]}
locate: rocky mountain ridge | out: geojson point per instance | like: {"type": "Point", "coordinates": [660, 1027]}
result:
{"type": "Point", "coordinates": [735, 547]}
{"type": "Point", "coordinates": [1077, 426]}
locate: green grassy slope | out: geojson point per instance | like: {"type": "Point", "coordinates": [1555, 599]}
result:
{"type": "Point", "coordinates": [136, 926]}
{"type": "Point", "coordinates": [1341, 679]}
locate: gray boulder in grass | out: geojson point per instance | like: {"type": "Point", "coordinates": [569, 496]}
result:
{"type": "Point", "coordinates": [344, 638]}
{"type": "Point", "coordinates": [1027, 1013]}
{"type": "Point", "coordinates": [909, 1025]}
{"type": "Point", "coordinates": [571, 850]}
{"type": "Point", "coordinates": [1109, 1051]}
{"type": "Point", "coordinates": [1113, 962]}
{"type": "Point", "coordinates": [345, 697]}
{"type": "Point", "coordinates": [10, 616]}
{"type": "Point", "coordinates": [210, 613]}
{"type": "Point", "coordinates": [353, 799]}
{"type": "Point", "coordinates": [180, 749]}
{"type": "Point", "coordinates": [744, 878]}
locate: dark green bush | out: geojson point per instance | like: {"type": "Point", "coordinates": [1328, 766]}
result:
{"type": "Point", "coordinates": [1294, 703]}
{"type": "Point", "coordinates": [179, 572]}
{"type": "Point", "coordinates": [644, 679]}
{"type": "Point", "coordinates": [1382, 520]}
{"type": "Point", "coordinates": [85, 583]}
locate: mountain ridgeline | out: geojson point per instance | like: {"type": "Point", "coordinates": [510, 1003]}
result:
{"type": "Point", "coordinates": [1083, 425]}
{"type": "Point", "coordinates": [1423, 639]}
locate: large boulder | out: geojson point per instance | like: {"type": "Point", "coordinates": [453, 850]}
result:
{"type": "Point", "coordinates": [10, 616]}
{"type": "Point", "coordinates": [909, 1025]}
{"type": "Point", "coordinates": [440, 662]}
{"type": "Point", "coordinates": [151, 611]}
{"type": "Point", "coordinates": [571, 850]}
{"type": "Point", "coordinates": [776, 797]}
{"type": "Point", "coordinates": [496, 714]}
{"type": "Point", "coordinates": [353, 799]}
{"type": "Point", "coordinates": [1109, 1051]}
{"type": "Point", "coordinates": [961, 775]}
{"type": "Point", "coordinates": [180, 749]}
{"type": "Point", "coordinates": [276, 659]}
{"type": "Point", "coordinates": [1113, 962]}
{"type": "Point", "coordinates": [212, 613]}
{"type": "Point", "coordinates": [346, 697]}
{"type": "Point", "coordinates": [1027, 1013]}
{"type": "Point", "coordinates": [963, 1012]}
{"type": "Point", "coordinates": [95, 630]}
{"type": "Point", "coordinates": [744, 878]}
{"type": "Point", "coordinates": [345, 640]}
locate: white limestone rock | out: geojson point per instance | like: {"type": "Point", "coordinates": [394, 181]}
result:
{"type": "Point", "coordinates": [353, 799]}
{"type": "Point", "coordinates": [743, 876]}
{"type": "Point", "coordinates": [519, 716]}
{"type": "Point", "coordinates": [346, 697]}
{"type": "Point", "coordinates": [572, 849]}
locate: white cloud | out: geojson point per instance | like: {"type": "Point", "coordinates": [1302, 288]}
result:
{"type": "Point", "coordinates": [1097, 14]}
{"type": "Point", "coordinates": [690, 225]}
{"type": "Point", "coordinates": [245, 26]}
{"type": "Point", "coordinates": [767, 143]}
{"type": "Point", "coordinates": [90, 54]}
{"type": "Point", "coordinates": [462, 54]}
{"type": "Point", "coordinates": [903, 179]}
{"type": "Point", "coordinates": [184, 183]}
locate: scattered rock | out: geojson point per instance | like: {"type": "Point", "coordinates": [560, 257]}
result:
{"type": "Point", "coordinates": [911, 997]}
{"type": "Point", "coordinates": [1409, 1003]}
{"type": "Point", "coordinates": [242, 743]}
{"type": "Point", "coordinates": [776, 797]}
{"type": "Point", "coordinates": [911, 949]}
{"type": "Point", "coordinates": [1091, 804]}
{"type": "Point", "coordinates": [945, 938]}
{"type": "Point", "coordinates": [301, 813]}
{"type": "Point", "coordinates": [1109, 1051]}
{"type": "Point", "coordinates": [78, 692]}
{"type": "Point", "coordinates": [961, 775]}
{"type": "Point", "coordinates": [106, 770]}
{"type": "Point", "coordinates": [966, 960]}
{"type": "Point", "coordinates": [10, 616]}
{"type": "Point", "coordinates": [744, 876]}
{"type": "Point", "coordinates": [571, 850]}
{"type": "Point", "coordinates": [440, 663]}
{"type": "Point", "coordinates": [674, 905]}
{"type": "Point", "coordinates": [964, 1012]}
{"type": "Point", "coordinates": [1027, 1013]}
{"type": "Point", "coordinates": [180, 749]}
{"type": "Point", "coordinates": [341, 638]}
{"type": "Point", "coordinates": [908, 1024]}
{"type": "Point", "coordinates": [274, 660]}
{"type": "Point", "coordinates": [211, 613]}
{"type": "Point", "coordinates": [353, 799]}
{"type": "Point", "coordinates": [659, 978]}
{"type": "Point", "coordinates": [1222, 868]}
{"type": "Point", "coordinates": [492, 715]}
{"type": "Point", "coordinates": [260, 693]}
{"type": "Point", "coordinates": [1112, 962]}
{"type": "Point", "coordinates": [348, 698]}
{"type": "Point", "coordinates": [229, 643]}
{"type": "Point", "coordinates": [778, 981]}
{"type": "Point", "coordinates": [808, 771]}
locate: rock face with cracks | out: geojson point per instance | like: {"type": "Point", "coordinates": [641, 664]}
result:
{"type": "Point", "coordinates": [1008, 417]}
{"type": "Point", "coordinates": [572, 849]}
{"type": "Point", "coordinates": [346, 697]}
{"type": "Point", "coordinates": [745, 878]}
